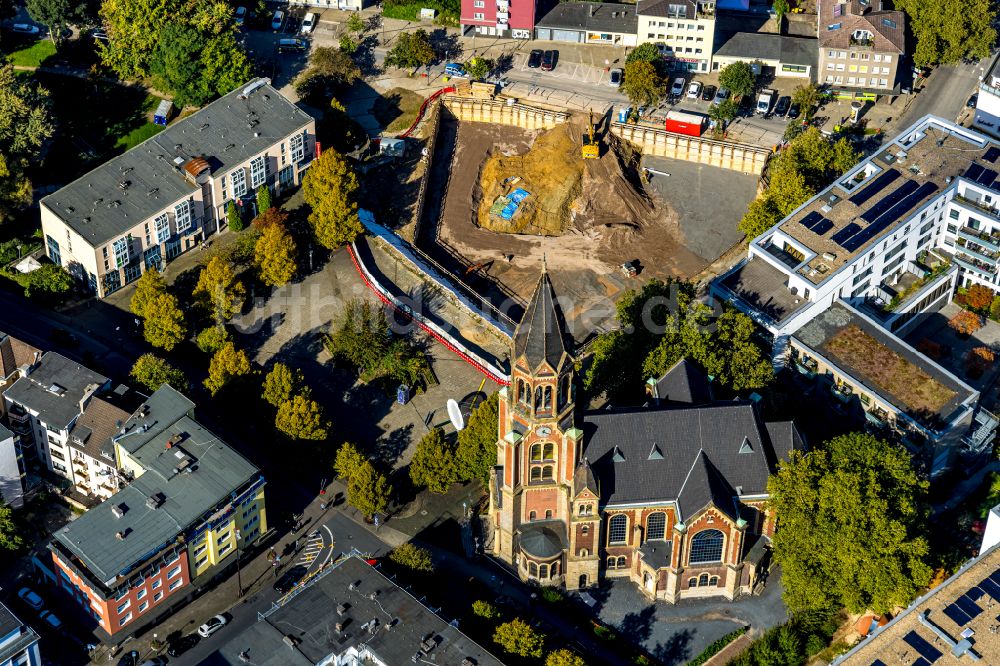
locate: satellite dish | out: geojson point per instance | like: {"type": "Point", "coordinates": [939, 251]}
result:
{"type": "Point", "coordinates": [455, 414]}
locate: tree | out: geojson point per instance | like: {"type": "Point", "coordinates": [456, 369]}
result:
{"type": "Point", "coordinates": [263, 199]}
{"type": "Point", "coordinates": [485, 609]}
{"type": "Point", "coordinates": [355, 23]}
{"type": "Point", "coordinates": [56, 15]}
{"type": "Point", "coordinates": [176, 65]}
{"type": "Point", "coordinates": [218, 286]}
{"type": "Point", "coordinates": [226, 365]}
{"type": "Point", "coordinates": [476, 454]}
{"type": "Point", "coordinates": [761, 215]}
{"type": "Point", "coordinates": [152, 372]}
{"type": "Point", "coordinates": [368, 490]}
{"type": "Point", "coordinates": [478, 67]}
{"type": "Point", "coordinates": [330, 189]}
{"type": "Point", "coordinates": [280, 384]}
{"type": "Point", "coordinates": [950, 30]}
{"type": "Point", "coordinates": [270, 216]}
{"type": "Point", "coordinates": [411, 50]}
{"type": "Point", "coordinates": [850, 515]}
{"type": "Point", "coordinates": [213, 338]}
{"type": "Point", "coordinates": [348, 44]}
{"type": "Point", "coordinates": [965, 322]}
{"type": "Point", "coordinates": [738, 78]}
{"type": "Point", "coordinates": [47, 281]}
{"type": "Point", "coordinates": [134, 28]}
{"type": "Point", "coordinates": [724, 111]}
{"type": "Point", "coordinates": [233, 217]}
{"type": "Point", "coordinates": [979, 297]}
{"type": "Point", "coordinates": [641, 83]}
{"type": "Point", "coordinates": [433, 463]}
{"type": "Point", "coordinates": [225, 65]}
{"type": "Point", "coordinates": [149, 285]}
{"type": "Point", "coordinates": [995, 309]}
{"type": "Point", "coordinates": [647, 52]}
{"type": "Point", "coordinates": [15, 189]}
{"type": "Point", "coordinates": [412, 557]}
{"type": "Point", "coordinates": [348, 460]}
{"type": "Point", "coordinates": [564, 657]}
{"type": "Point", "coordinates": [163, 323]}
{"type": "Point", "coordinates": [780, 8]}
{"type": "Point", "coordinates": [10, 537]}
{"type": "Point", "coordinates": [301, 417]}
{"type": "Point", "coordinates": [808, 97]}
{"type": "Point", "coordinates": [274, 256]}
{"type": "Point", "coordinates": [518, 637]}
{"type": "Point", "coordinates": [329, 67]}
{"type": "Point", "coordinates": [360, 339]}
{"type": "Point", "coordinates": [26, 120]}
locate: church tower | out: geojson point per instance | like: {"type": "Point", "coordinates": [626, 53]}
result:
{"type": "Point", "coordinates": [539, 446]}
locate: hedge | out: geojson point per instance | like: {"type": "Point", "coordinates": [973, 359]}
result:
{"type": "Point", "coordinates": [717, 646]}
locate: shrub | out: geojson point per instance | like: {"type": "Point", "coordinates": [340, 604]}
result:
{"type": "Point", "coordinates": [716, 646]}
{"type": "Point", "coordinates": [212, 339]}
{"type": "Point", "coordinates": [485, 609]}
{"type": "Point", "coordinates": [551, 595]}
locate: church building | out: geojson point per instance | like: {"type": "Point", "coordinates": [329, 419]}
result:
{"type": "Point", "coordinates": [670, 495]}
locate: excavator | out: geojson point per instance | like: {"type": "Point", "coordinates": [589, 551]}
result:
{"type": "Point", "coordinates": [591, 148]}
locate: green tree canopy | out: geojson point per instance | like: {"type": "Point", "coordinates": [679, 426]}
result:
{"type": "Point", "coordinates": [808, 97]}
{"type": "Point", "coordinates": [738, 78]}
{"type": "Point", "coordinates": [26, 120]}
{"type": "Point", "coordinates": [152, 372]}
{"type": "Point", "coordinates": [47, 281]}
{"type": "Point", "coordinates": [780, 8]}
{"type": "Point", "coordinates": [647, 52]}
{"type": "Point", "coordinates": [163, 323]}
{"type": "Point", "coordinates": [329, 68]}
{"type": "Point", "coordinates": [134, 28]}
{"type": "Point", "coordinates": [226, 365]}
{"type": "Point", "coordinates": [518, 637]}
{"type": "Point", "coordinates": [641, 83]}
{"type": "Point", "coordinates": [301, 417]}
{"type": "Point", "coordinates": [476, 453]}
{"type": "Point", "coordinates": [950, 30]}
{"type": "Point", "coordinates": [478, 67]}
{"type": "Point", "coordinates": [274, 255]}
{"type": "Point", "coordinates": [56, 15]}
{"type": "Point", "coordinates": [330, 189]}
{"type": "Point", "coordinates": [213, 338]}
{"type": "Point", "coordinates": [220, 290]}
{"type": "Point", "coordinates": [233, 217]}
{"type": "Point", "coordinates": [724, 111]}
{"type": "Point", "coordinates": [149, 285]}
{"type": "Point", "coordinates": [176, 65]}
{"type": "Point", "coordinates": [412, 49]}
{"type": "Point", "coordinates": [484, 609]}
{"type": "Point", "coordinates": [280, 384]}
{"type": "Point", "coordinates": [433, 463]}
{"type": "Point", "coordinates": [564, 657]}
{"type": "Point", "coordinates": [15, 189]}
{"type": "Point", "coordinates": [263, 196]}
{"type": "Point", "coordinates": [412, 557]}
{"type": "Point", "coordinates": [368, 490]}
{"type": "Point", "coordinates": [10, 536]}
{"type": "Point", "coordinates": [850, 520]}
{"type": "Point", "coordinates": [360, 339]}
{"type": "Point", "coordinates": [349, 459]}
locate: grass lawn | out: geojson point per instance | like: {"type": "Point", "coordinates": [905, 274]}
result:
{"type": "Point", "coordinates": [138, 135]}
{"type": "Point", "coordinates": [889, 371]}
{"type": "Point", "coordinates": [31, 54]}
{"type": "Point", "coordinates": [396, 109]}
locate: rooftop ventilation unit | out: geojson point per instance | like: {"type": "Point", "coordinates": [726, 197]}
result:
{"type": "Point", "coordinates": [290, 641]}
{"type": "Point", "coordinates": [119, 510]}
{"type": "Point", "coordinates": [342, 608]}
{"type": "Point", "coordinates": [120, 536]}
{"type": "Point", "coordinates": [256, 85]}
{"type": "Point", "coordinates": [155, 501]}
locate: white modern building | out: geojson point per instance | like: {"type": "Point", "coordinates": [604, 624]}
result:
{"type": "Point", "coordinates": [987, 116]}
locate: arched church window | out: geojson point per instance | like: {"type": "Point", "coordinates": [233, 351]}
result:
{"type": "Point", "coordinates": [563, 391]}
{"type": "Point", "coordinates": [612, 561]}
{"type": "Point", "coordinates": [547, 402]}
{"type": "Point", "coordinates": [536, 452]}
{"type": "Point", "coordinates": [706, 546]}
{"type": "Point", "coordinates": [621, 562]}
{"type": "Point", "coordinates": [520, 390]}
{"type": "Point", "coordinates": [538, 397]}
{"type": "Point", "coordinates": [554, 571]}
{"type": "Point", "coordinates": [548, 514]}
{"type": "Point", "coordinates": [547, 472]}
{"type": "Point", "coordinates": [585, 530]}
{"type": "Point", "coordinates": [532, 569]}
{"type": "Point", "coordinates": [536, 473]}
{"type": "Point", "coordinates": [656, 525]}
{"type": "Point", "coordinates": [713, 581]}
{"type": "Point", "coordinates": [692, 582]}
{"type": "Point", "coordinates": [703, 580]}
{"type": "Point", "coordinates": [617, 528]}
{"type": "Point", "coordinates": [549, 451]}
{"type": "Point", "coordinates": [543, 571]}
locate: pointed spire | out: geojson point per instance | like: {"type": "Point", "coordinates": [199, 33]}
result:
{"type": "Point", "coordinates": [539, 337]}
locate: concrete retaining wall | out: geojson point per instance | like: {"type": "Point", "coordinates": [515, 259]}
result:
{"type": "Point", "coordinates": [725, 154]}
{"type": "Point", "coordinates": [468, 109]}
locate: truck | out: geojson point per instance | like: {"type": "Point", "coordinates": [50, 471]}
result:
{"type": "Point", "coordinates": [765, 100]}
{"type": "Point", "coordinates": [683, 122]}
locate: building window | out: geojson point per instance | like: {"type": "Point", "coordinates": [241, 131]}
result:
{"type": "Point", "coordinates": [536, 452]}
{"type": "Point", "coordinates": [532, 569]}
{"type": "Point", "coordinates": [125, 620]}
{"type": "Point", "coordinates": [584, 552]}
{"type": "Point", "coordinates": [173, 572]}
{"type": "Point", "coordinates": [140, 594]}
{"type": "Point", "coordinates": [162, 226]}
{"type": "Point", "coordinates": [156, 583]}
{"type": "Point", "coordinates": [222, 184]}
{"type": "Point", "coordinates": [656, 525]}
{"type": "Point", "coordinates": [612, 562]}
{"type": "Point", "coordinates": [692, 582]}
{"type": "Point", "coordinates": [157, 597]}
{"type": "Point", "coordinates": [706, 546]}
{"type": "Point", "coordinates": [298, 146]}
{"type": "Point", "coordinates": [617, 528]}
{"type": "Point", "coordinates": [54, 253]}
{"type": "Point", "coordinates": [124, 606]}
{"type": "Point", "coordinates": [585, 530]}
{"type": "Point", "coordinates": [713, 581]}
{"type": "Point", "coordinates": [703, 580]}
{"type": "Point", "coordinates": [174, 585]}
{"type": "Point", "coordinates": [479, 4]}
{"type": "Point", "coordinates": [222, 538]}
{"type": "Point", "coordinates": [532, 515]}
{"type": "Point", "coordinates": [548, 514]}
{"type": "Point", "coordinates": [143, 606]}
{"type": "Point", "coordinates": [120, 250]}
{"type": "Point", "coordinates": [258, 171]}
{"type": "Point", "coordinates": [536, 473]}
{"type": "Point", "coordinates": [182, 216]}
{"type": "Point", "coordinates": [547, 472]}
{"type": "Point", "coordinates": [239, 179]}
{"type": "Point", "coordinates": [953, 214]}
{"type": "Point", "coordinates": [543, 571]}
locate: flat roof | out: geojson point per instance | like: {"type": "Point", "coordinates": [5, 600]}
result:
{"type": "Point", "coordinates": [841, 223]}
{"type": "Point", "coordinates": [932, 627]}
{"type": "Point", "coordinates": [377, 615]}
{"type": "Point", "coordinates": [770, 46]}
{"type": "Point", "coordinates": [127, 189]}
{"type": "Point", "coordinates": [765, 288]}
{"type": "Point", "coordinates": [54, 388]}
{"type": "Point", "coordinates": [10, 625]}
{"type": "Point", "coordinates": [195, 473]}
{"type": "Point", "coordinates": [596, 16]}
{"type": "Point", "coordinates": [885, 364]}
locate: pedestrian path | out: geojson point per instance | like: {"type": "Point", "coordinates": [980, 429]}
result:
{"type": "Point", "coordinates": [312, 549]}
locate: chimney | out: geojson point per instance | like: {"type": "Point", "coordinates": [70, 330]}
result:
{"type": "Point", "coordinates": [591, 10]}
{"type": "Point", "coordinates": [120, 536]}
{"type": "Point", "coordinates": [87, 394]}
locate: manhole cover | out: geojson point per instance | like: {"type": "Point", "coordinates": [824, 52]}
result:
{"type": "Point", "coordinates": [424, 512]}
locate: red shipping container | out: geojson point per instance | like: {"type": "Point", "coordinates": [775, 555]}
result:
{"type": "Point", "coordinates": [685, 123]}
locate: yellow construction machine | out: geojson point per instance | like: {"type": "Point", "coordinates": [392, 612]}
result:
{"type": "Point", "coordinates": [591, 149]}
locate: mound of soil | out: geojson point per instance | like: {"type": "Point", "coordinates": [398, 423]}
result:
{"type": "Point", "coordinates": [595, 197]}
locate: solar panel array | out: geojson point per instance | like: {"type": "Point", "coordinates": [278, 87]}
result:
{"type": "Point", "coordinates": [888, 202]}
{"type": "Point", "coordinates": [875, 187]}
{"type": "Point", "coordinates": [884, 213]}
{"type": "Point", "coordinates": [841, 236]}
{"type": "Point", "coordinates": [816, 223]}
{"type": "Point", "coordinates": [980, 174]}
{"type": "Point", "coordinates": [991, 155]}
{"type": "Point", "coordinates": [923, 648]}
{"type": "Point", "coordinates": [965, 609]}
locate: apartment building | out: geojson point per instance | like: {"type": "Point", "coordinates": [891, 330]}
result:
{"type": "Point", "coordinates": [193, 506]}
{"type": "Point", "coordinates": [683, 29]}
{"type": "Point", "coordinates": [987, 117]}
{"type": "Point", "coordinates": [44, 404]}
{"type": "Point", "coordinates": [165, 196]}
{"type": "Point", "coordinates": [18, 641]}
{"type": "Point", "coordinates": [14, 355]}
{"type": "Point", "coordinates": [501, 18]}
{"type": "Point", "coordinates": [861, 46]}
{"type": "Point", "coordinates": [884, 246]}
{"type": "Point", "coordinates": [605, 23]}
{"type": "Point", "coordinates": [343, 5]}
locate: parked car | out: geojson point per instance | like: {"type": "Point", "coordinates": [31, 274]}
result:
{"type": "Point", "coordinates": [535, 59]}
{"type": "Point", "coordinates": [455, 70]}
{"type": "Point", "coordinates": [708, 94]}
{"type": "Point", "coordinates": [308, 23]}
{"type": "Point", "coordinates": [212, 625]}
{"type": "Point", "coordinates": [26, 28]}
{"type": "Point", "coordinates": [971, 103]}
{"type": "Point", "coordinates": [130, 658]}
{"type": "Point", "coordinates": [50, 619]}
{"type": "Point", "coordinates": [155, 661]}
{"type": "Point", "coordinates": [677, 89]}
{"type": "Point", "coordinates": [30, 597]}
{"type": "Point", "coordinates": [549, 59]}
{"type": "Point", "coordinates": [240, 15]}
{"type": "Point", "coordinates": [781, 108]}
{"type": "Point", "coordinates": [721, 96]}
{"type": "Point", "coordinates": [793, 111]}
{"type": "Point", "coordinates": [292, 45]}
{"type": "Point", "coordinates": [277, 19]}
{"type": "Point", "coordinates": [694, 90]}
{"type": "Point", "coordinates": [615, 79]}
{"type": "Point", "coordinates": [289, 580]}
{"type": "Point", "coordinates": [182, 645]}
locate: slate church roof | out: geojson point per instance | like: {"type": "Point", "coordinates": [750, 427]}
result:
{"type": "Point", "coordinates": [540, 336]}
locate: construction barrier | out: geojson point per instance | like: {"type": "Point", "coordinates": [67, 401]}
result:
{"type": "Point", "coordinates": [502, 112]}
{"type": "Point", "coordinates": [725, 154]}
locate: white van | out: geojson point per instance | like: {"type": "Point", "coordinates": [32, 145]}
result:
{"type": "Point", "coordinates": [308, 23]}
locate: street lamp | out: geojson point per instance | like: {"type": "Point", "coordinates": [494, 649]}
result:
{"type": "Point", "coordinates": [239, 579]}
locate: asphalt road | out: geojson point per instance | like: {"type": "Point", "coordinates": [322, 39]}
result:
{"type": "Point", "coordinates": [945, 93]}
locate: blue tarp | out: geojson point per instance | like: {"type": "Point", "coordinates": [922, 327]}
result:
{"type": "Point", "coordinates": [518, 195]}
{"type": "Point", "coordinates": [514, 199]}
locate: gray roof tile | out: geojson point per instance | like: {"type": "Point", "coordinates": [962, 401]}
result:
{"type": "Point", "coordinates": [54, 388]}
{"type": "Point", "coordinates": [684, 383]}
{"type": "Point", "coordinates": [540, 335]}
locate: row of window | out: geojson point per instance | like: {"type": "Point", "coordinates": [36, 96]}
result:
{"type": "Point", "coordinates": [676, 38]}
{"type": "Point", "coordinates": [679, 26]}
{"type": "Point", "coordinates": [856, 81]}
{"type": "Point", "coordinates": [862, 69]}
{"type": "Point", "coordinates": [543, 571]}
{"type": "Point", "coordinates": [855, 55]}
{"type": "Point", "coordinates": [656, 527]}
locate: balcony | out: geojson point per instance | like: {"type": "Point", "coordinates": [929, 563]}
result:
{"type": "Point", "coordinates": [877, 417]}
{"type": "Point", "coordinates": [978, 205]}
{"type": "Point", "coordinates": [842, 392]}
{"type": "Point", "coordinates": [977, 251]}
{"type": "Point", "coordinates": [806, 367]}
{"type": "Point", "coordinates": [502, 6]}
{"type": "Point", "coordinates": [969, 263]}
{"type": "Point", "coordinates": [862, 43]}
{"type": "Point", "coordinates": [989, 241]}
